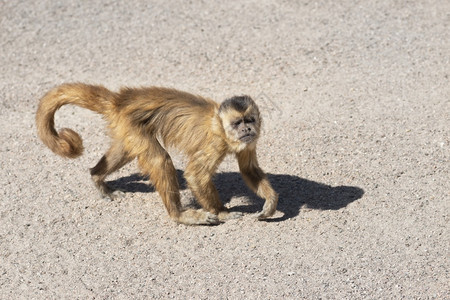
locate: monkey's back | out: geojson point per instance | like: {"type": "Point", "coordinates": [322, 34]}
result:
{"type": "Point", "coordinates": [177, 118]}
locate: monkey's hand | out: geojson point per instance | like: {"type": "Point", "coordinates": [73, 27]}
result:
{"type": "Point", "coordinates": [269, 208]}
{"type": "Point", "coordinates": [197, 217]}
{"type": "Point", "coordinates": [263, 215]}
{"type": "Point", "coordinates": [228, 215]}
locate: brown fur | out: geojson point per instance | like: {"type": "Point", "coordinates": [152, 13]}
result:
{"type": "Point", "coordinates": [143, 121]}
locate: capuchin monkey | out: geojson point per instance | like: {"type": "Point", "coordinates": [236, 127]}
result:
{"type": "Point", "coordinates": [144, 121]}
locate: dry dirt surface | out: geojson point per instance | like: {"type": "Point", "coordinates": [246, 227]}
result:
{"type": "Point", "coordinates": [355, 98]}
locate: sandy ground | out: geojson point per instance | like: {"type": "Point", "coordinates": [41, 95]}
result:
{"type": "Point", "coordinates": [355, 97]}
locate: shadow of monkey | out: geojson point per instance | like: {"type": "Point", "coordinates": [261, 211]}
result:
{"type": "Point", "coordinates": [294, 192]}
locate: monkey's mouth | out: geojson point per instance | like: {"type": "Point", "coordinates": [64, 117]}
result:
{"type": "Point", "coordinates": [248, 138]}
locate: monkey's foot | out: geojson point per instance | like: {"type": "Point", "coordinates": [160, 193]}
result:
{"type": "Point", "coordinates": [229, 215]}
{"type": "Point", "coordinates": [197, 217]}
{"type": "Point", "coordinates": [108, 193]}
{"type": "Point", "coordinates": [117, 194]}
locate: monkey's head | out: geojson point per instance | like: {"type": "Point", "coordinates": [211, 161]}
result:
{"type": "Point", "coordinates": [241, 121]}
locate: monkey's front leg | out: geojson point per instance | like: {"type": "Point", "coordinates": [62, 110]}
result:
{"type": "Point", "coordinates": [163, 175]}
{"type": "Point", "coordinates": [255, 178]}
{"type": "Point", "coordinates": [199, 179]}
{"type": "Point", "coordinates": [265, 190]}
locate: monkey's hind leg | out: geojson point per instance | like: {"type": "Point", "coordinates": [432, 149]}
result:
{"type": "Point", "coordinates": [158, 165]}
{"type": "Point", "coordinates": [113, 160]}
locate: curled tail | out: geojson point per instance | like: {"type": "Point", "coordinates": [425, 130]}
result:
{"type": "Point", "coordinates": [68, 143]}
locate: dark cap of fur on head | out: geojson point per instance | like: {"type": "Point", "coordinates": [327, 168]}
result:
{"type": "Point", "coordinates": [238, 103]}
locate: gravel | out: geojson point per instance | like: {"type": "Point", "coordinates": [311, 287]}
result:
{"type": "Point", "coordinates": [355, 99]}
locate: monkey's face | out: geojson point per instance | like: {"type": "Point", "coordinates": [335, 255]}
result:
{"type": "Point", "coordinates": [244, 129]}
{"type": "Point", "coordinates": [241, 121]}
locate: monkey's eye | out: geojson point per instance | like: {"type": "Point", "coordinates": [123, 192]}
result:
{"type": "Point", "coordinates": [237, 123]}
{"type": "Point", "coordinates": [249, 120]}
